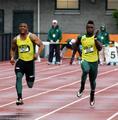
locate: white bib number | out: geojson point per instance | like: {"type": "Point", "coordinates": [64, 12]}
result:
{"type": "Point", "coordinates": [88, 50]}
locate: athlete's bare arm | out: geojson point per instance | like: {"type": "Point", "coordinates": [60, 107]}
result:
{"type": "Point", "coordinates": [12, 51]}
{"type": "Point", "coordinates": [38, 42]}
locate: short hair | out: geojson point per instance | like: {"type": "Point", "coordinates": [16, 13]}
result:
{"type": "Point", "coordinates": [23, 23]}
{"type": "Point", "coordinates": [90, 22]}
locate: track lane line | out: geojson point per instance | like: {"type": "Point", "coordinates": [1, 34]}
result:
{"type": "Point", "coordinates": [113, 116]}
{"type": "Point", "coordinates": [35, 81]}
{"type": "Point", "coordinates": [42, 79]}
{"type": "Point", "coordinates": [67, 105]}
{"type": "Point", "coordinates": [55, 67]}
{"type": "Point", "coordinates": [42, 93]}
{"type": "Point", "coordinates": [4, 105]}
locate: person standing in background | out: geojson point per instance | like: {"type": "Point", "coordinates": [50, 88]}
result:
{"type": "Point", "coordinates": [54, 37]}
{"type": "Point", "coordinates": [103, 37]}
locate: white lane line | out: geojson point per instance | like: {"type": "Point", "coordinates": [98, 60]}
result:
{"type": "Point", "coordinates": [12, 67]}
{"type": "Point", "coordinates": [4, 105]}
{"type": "Point", "coordinates": [7, 77]}
{"type": "Point", "coordinates": [40, 63]}
{"type": "Point", "coordinates": [67, 105]}
{"type": "Point", "coordinates": [42, 93]}
{"type": "Point", "coordinates": [42, 79]}
{"type": "Point", "coordinates": [6, 70]}
{"type": "Point", "coordinates": [51, 77]}
{"type": "Point", "coordinates": [55, 67]}
{"type": "Point", "coordinates": [113, 116]}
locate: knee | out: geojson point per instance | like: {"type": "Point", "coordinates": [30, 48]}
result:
{"type": "Point", "coordinates": [30, 81]}
{"type": "Point", "coordinates": [30, 85]}
{"type": "Point", "coordinates": [85, 72]}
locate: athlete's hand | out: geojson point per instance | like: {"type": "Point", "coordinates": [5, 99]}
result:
{"type": "Point", "coordinates": [36, 56]}
{"type": "Point", "coordinates": [12, 61]}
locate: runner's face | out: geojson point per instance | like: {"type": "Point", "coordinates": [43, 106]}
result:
{"type": "Point", "coordinates": [23, 28]}
{"type": "Point", "coordinates": [90, 29]}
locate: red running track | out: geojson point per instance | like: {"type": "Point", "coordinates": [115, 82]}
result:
{"type": "Point", "coordinates": [53, 96]}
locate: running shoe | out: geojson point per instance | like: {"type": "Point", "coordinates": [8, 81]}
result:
{"type": "Point", "coordinates": [19, 102]}
{"type": "Point", "coordinates": [79, 94]}
{"type": "Point", "coordinates": [92, 99]}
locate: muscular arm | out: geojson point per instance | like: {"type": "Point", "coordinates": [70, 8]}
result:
{"type": "Point", "coordinates": [97, 41]}
{"type": "Point", "coordinates": [12, 51]}
{"type": "Point", "coordinates": [37, 42]}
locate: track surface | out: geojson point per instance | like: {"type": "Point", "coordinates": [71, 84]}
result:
{"type": "Point", "coordinates": [53, 96]}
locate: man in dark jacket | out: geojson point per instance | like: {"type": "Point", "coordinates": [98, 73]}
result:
{"type": "Point", "coordinates": [54, 37]}
{"type": "Point", "coordinates": [103, 37]}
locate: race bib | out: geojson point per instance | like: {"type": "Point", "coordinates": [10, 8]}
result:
{"type": "Point", "coordinates": [24, 48]}
{"type": "Point", "coordinates": [88, 50]}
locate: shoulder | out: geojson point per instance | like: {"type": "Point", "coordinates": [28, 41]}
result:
{"type": "Point", "coordinates": [80, 36]}
{"type": "Point", "coordinates": [14, 42]}
{"type": "Point", "coordinates": [15, 39]}
{"type": "Point", "coordinates": [31, 35]}
{"type": "Point", "coordinates": [107, 33]}
{"type": "Point", "coordinates": [50, 29]}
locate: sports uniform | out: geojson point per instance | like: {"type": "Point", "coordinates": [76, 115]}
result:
{"type": "Point", "coordinates": [89, 63]}
{"type": "Point", "coordinates": [25, 63]}
{"type": "Point", "coordinates": [24, 46]}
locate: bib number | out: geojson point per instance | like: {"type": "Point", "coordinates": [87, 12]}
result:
{"type": "Point", "coordinates": [88, 50]}
{"type": "Point", "coordinates": [24, 48]}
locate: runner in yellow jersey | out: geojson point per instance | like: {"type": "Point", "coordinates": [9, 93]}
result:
{"type": "Point", "coordinates": [24, 43]}
{"type": "Point", "coordinates": [89, 62]}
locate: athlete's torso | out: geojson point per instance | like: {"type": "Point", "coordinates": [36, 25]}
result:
{"type": "Point", "coordinates": [25, 48]}
{"type": "Point", "coordinates": [89, 50]}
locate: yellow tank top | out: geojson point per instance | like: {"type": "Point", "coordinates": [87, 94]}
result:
{"type": "Point", "coordinates": [25, 48]}
{"type": "Point", "coordinates": [89, 50]}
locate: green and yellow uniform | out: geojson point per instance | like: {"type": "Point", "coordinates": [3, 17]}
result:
{"type": "Point", "coordinates": [89, 62]}
{"type": "Point", "coordinates": [25, 48]}
{"type": "Point", "coordinates": [89, 50]}
{"type": "Point", "coordinates": [25, 63]}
